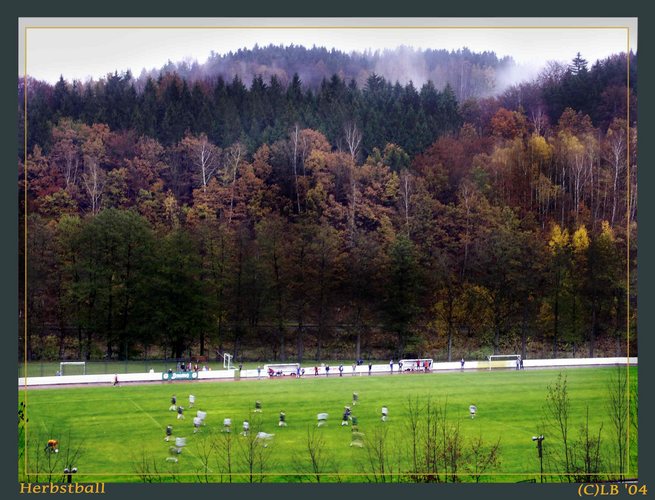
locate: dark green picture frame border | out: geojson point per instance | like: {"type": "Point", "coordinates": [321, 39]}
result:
{"type": "Point", "coordinates": [10, 267]}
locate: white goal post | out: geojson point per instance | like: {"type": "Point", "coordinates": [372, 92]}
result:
{"type": "Point", "coordinates": [63, 364]}
{"type": "Point", "coordinates": [503, 360]}
{"type": "Point", "coordinates": [227, 361]}
{"type": "Point", "coordinates": [282, 369]}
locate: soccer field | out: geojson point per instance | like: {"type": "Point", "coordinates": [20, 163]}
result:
{"type": "Point", "coordinates": [119, 431]}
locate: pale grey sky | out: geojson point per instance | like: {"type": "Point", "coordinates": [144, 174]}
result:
{"type": "Point", "coordinates": [81, 48]}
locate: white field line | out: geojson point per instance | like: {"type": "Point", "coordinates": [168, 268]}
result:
{"type": "Point", "coordinates": [162, 428]}
{"type": "Point", "coordinates": [148, 414]}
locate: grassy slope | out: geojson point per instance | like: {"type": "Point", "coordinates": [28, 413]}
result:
{"type": "Point", "coordinates": [118, 425]}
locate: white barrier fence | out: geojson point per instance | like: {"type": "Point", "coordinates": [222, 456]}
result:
{"type": "Point", "coordinates": [309, 371]}
{"type": "Point", "coordinates": [536, 363]}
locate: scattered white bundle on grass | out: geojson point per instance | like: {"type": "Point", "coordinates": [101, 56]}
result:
{"type": "Point", "coordinates": [265, 437]}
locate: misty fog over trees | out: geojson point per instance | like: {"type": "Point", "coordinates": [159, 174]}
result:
{"type": "Point", "coordinates": [290, 203]}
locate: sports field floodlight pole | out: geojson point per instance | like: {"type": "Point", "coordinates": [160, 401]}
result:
{"type": "Point", "coordinates": [539, 439]}
{"type": "Point", "coordinates": [69, 471]}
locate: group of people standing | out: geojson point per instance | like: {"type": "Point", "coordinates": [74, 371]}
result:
{"type": "Point", "coordinates": [416, 365]}
{"type": "Point", "coordinates": [188, 367]}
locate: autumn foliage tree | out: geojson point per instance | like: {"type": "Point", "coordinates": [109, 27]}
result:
{"type": "Point", "coordinates": [342, 217]}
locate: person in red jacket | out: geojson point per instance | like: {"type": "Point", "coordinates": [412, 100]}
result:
{"type": "Point", "coordinates": [52, 446]}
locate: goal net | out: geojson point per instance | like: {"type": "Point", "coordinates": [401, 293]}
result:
{"type": "Point", "coordinates": [282, 369]}
{"type": "Point", "coordinates": [503, 360]}
{"type": "Point", "coordinates": [72, 368]}
{"type": "Point", "coordinates": [227, 361]}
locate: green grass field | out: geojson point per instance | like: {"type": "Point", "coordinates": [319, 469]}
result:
{"type": "Point", "coordinates": [119, 429]}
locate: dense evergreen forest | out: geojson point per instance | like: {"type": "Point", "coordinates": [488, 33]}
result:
{"type": "Point", "coordinates": [355, 215]}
